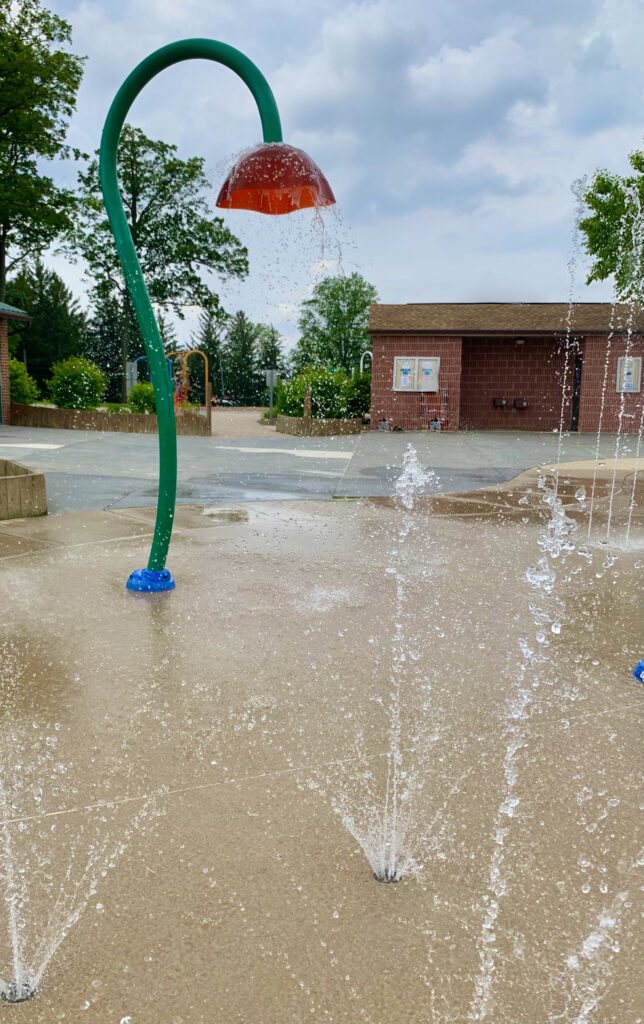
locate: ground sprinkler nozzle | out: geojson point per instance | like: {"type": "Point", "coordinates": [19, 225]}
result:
{"type": "Point", "coordinates": [386, 878]}
{"type": "Point", "coordinates": [15, 993]}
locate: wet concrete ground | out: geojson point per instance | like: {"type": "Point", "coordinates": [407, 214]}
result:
{"type": "Point", "coordinates": [90, 470]}
{"type": "Point", "coordinates": [178, 756]}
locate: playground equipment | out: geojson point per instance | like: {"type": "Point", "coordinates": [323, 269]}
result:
{"type": "Point", "coordinates": [272, 178]}
{"type": "Point", "coordinates": [140, 359]}
{"type": "Point", "coordinates": [182, 385]}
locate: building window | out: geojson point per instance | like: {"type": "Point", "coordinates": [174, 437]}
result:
{"type": "Point", "coordinates": [416, 373]}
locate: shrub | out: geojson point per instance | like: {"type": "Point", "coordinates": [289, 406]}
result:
{"type": "Point", "coordinates": [22, 387]}
{"type": "Point", "coordinates": [142, 398]}
{"type": "Point", "coordinates": [327, 394]}
{"type": "Point", "coordinates": [77, 384]}
{"type": "Point", "coordinates": [357, 395]}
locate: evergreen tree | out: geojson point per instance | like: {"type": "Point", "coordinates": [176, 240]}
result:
{"type": "Point", "coordinates": [269, 350]}
{"type": "Point", "coordinates": [209, 338]}
{"type": "Point", "coordinates": [103, 344]}
{"type": "Point", "coordinates": [58, 326]}
{"type": "Point", "coordinates": [38, 86]}
{"type": "Point", "coordinates": [243, 382]}
{"type": "Point", "coordinates": [168, 333]}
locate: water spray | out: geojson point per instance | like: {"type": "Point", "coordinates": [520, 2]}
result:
{"type": "Point", "coordinates": [18, 992]}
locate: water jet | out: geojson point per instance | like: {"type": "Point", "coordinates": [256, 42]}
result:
{"type": "Point", "coordinates": [386, 878]}
{"type": "Point", "coordinates": [18, 992]}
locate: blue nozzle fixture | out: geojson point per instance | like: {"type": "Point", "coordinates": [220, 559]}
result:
{"type": "Point", "coordinates": [638, 671]}
{"type": "Point", "coordinates": [150, 581]}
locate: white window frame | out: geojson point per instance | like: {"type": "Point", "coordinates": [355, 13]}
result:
{"type": "Point", "coordinates": [415, 360]}
{"type": "Point", "coordinates": [637, 382]}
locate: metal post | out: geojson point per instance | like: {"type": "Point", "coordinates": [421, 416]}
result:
{"type": "Point", "coordinates": [270, 415]}
{"type": "Point", "coordinates": [156, 577]}
{"type": "Point", "coordinates": [362, 357]}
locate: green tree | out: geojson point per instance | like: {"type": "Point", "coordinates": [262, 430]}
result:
{"type": "Point", "coordinates": [328, 393]}
{"type": "Point", "coordinates": [76, 383]}
{"type": "Point", "coordinates": [614, 229]}
{"type": "Point", "coordinates": [209, 337]}
{"type": "Point", "coordinates": [168, 333]}
{"type": "Point", "coordinates": [357, 395]}
{"type": "Point", "coordinates": [38, 86]}
{"type": "Point", "coordinates": [103, 344]}
{"type": "Point", "coordinates": [142, 398]}
{"type": "Point", "coordinates": [22, 387]}
{"type": "Point", "coordinates": [333, 323]}
{"type": "Point", "coordinates": [177, 239]}
{"type": "Point", "coordinates": [243, 382]}
{"type": "Point", "coordinates": [58, 326]}
{"type": "Point", "coordinates": [269, 350]}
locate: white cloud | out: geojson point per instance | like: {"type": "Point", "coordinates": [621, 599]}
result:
{"type": "Point", "coordinates": [459, 78]}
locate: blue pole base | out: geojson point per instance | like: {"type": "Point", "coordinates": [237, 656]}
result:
{"type": "Point", "coordinates": [638, 671]}
{"type": "Point", "coordinates": [150, 581]}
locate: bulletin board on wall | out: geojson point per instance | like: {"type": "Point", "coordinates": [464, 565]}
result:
{"type": "Point", "coordinates": [629, 374]}
{"type": "Point", "coordinates": [416, 373]}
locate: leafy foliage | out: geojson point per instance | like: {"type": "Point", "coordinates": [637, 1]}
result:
{"type": "Point", "coordinates": [333, 323]}
{"type": "Point", "coordinates": [615, 228]}
{"type": "Point", "coordinates": [77, 384]}
{"type": "Point", "coordinates": [357, 395]}
{"type": "Point", "coordinates": [174, 234]}
{"type": "Point", "coordinates": [38, 86]}
{"type": "Point", "coordinates": [328, 394]}
{"type": "Point", "coordinates": [58, 327]}
{"type": "Point", "coordinates": [141, 397]}
{"type": "Point", "coordinates": [22, 387]}
{"type": "Point", "coordinates": [177, 239]}
{"type": "Point", "coordinates": [103, 344]}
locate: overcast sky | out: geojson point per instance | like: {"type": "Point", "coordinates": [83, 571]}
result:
{"type": "Point", "coordinates": [451, 132]}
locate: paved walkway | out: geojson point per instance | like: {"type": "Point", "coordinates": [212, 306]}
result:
{"type": "Point", "coordinates": [239, 422]}
{"type": "Point", "coordinates": [91, 470]}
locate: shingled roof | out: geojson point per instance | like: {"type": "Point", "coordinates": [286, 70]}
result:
{"type": "Point", "coordinates": [468, 318]}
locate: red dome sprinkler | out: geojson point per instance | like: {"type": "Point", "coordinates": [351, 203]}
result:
{"type": "Point", "coordinates": [275, 178]}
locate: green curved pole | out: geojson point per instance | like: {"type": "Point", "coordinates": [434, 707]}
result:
{"type": "Point", "coordinates": [186, 49]}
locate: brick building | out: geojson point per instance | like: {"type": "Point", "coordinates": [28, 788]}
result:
{"type": "Point", "coordinates": [507, 365]}
{"type": "Point", "coordinates": [7, 313]}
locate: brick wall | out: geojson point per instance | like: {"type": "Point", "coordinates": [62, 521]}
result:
{"type": "Point", "coordinates": [592, 379]}
{"type": "Point", "coordinates": [498, 367]}
{"type": "Point", "coordinates": [4, 370]}
{"type": "Point", "coordinates": [410, 409]}
{"type": "Point", "coordinates": [187, 423]}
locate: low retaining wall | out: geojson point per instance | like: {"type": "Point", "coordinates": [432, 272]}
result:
{"type": "Point", "coordinates": [130, 423]}
{"type": "Point", "coordinates": [302, 426]}
{"type": "Point", "coordinates": [22, 492]}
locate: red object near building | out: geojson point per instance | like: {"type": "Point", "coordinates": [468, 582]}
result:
{"type": "Point", "coordinates": [507, 365]}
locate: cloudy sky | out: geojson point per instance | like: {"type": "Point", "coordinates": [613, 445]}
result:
{"type": "Point", "coordinates": [451, 132]}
